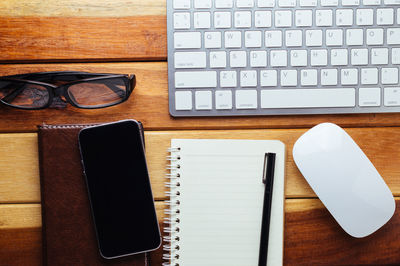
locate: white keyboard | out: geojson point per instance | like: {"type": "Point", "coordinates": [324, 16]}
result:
{"type": "Point", "coordinates": [267, 57]}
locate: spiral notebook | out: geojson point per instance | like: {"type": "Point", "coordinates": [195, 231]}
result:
{"type": "Point", "coordinates": [215, 202]}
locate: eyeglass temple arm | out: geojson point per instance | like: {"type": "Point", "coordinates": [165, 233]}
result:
{"type": "Point", "coordinates": [117, 90]}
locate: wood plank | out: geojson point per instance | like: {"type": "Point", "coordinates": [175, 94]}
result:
{"type": "Point", "coordinates": [19, 169]}
{"type": "Point", "coordinates": [312, 237]}
{"type": "Point", "coordinates": [149, 104]}
{"type": "Point", "coordinates": [20, 234]}
{"type": "Point", "coordinates": [83, 39]}
{"type": "Point", "coordinates": [81, 8]}
{"type": "Point", "coordinates": [379, 144]}
{"type": "Point", "coordinates": [82, 30]}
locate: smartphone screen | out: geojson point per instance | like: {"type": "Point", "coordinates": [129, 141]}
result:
{"type": "Point", "coordinates": [119, 188]}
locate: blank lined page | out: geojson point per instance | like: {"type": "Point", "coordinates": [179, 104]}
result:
{"type": "Point", "coordinates": [221, 201]}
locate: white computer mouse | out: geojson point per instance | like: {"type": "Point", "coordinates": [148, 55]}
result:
{"type": "Point", "coordinates": [344, 179]}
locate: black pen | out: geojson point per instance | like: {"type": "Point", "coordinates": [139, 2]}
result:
{"type": "Point", "coordinates": [268, 180]}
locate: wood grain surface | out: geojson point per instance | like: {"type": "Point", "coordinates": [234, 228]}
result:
{"type": "Point", "coordinates": [65, 30]}
{"type": "Point", "coordinates": [312, 237]}
{"type": "Point", "coordinates": [82, 8]}
{"type": "Point", "coordinates": [149, 104]}
{"type": "Point", "coordinates": [20, 174]}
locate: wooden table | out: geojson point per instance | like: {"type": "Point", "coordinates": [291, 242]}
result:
{"type": "Point", "coordinates": [123, 36]}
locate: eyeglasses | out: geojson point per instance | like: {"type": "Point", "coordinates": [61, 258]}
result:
{"type": "Point", "coordinates": [55, 89]}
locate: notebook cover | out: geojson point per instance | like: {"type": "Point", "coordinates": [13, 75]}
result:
{"type": "Point", "coordinates": [68, 233]}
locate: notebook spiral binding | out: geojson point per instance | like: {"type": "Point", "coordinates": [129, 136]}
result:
{"type": "Point", "coordinates": [171, 222]}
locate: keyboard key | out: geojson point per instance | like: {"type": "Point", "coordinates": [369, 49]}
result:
{"type": "Point", "coordinates": [196, 79]}
{"type": "Point", "coordinates": [268, 78]}
{"type": "Point", "coordinates": [223, 99]}
{"type": "Point", "coordinates": [244, 3]}
{"type": "Point", "coordinates": [308, 3]}
{"type": "Point", "coordinates": [329, 2]}
{"type": "Point", "coordinates": [309, 77]}
{"type": "Point", "coordinates": [392, 2]}
{"type": "Point", "coordinates": [228, 79]}
{"type": "Point", "coordinates": [238, 58]}
{"type": "Point", "coordinates": [365, 17]}
{"type": "Point", "coordinates": [392, 96]}
{"type": "Point", "coordinates": [190, 59]}
{"type": "Point", "coordinates": [303, 18]}
{"type": "Point", "coordinates": [390, 75]}
{"type": "Point", "coordinates": [349, 76]}
{"type": "Point", "coordinates": [339, 57]}
{"type": "Point", "coordinates": [350, 2]}
{"type": "Point", "coordinates": [369, 97]}
{"type": "Point", "coordinates": [201, 20]}
{"type": "Point", "coordinates": [265, 3]}
{"type": "Point", "coordinates": [202, 3]}
{"type": "Point", "coordinates": [384, 16]}
{"type": "Point", "coordinates": [252, 39]}
{"type": "Point", "coordinates": [393, 36]}
{"type": "Point", "coordinates": [344, 17]}
{"type": "Point", "coordinates": [298, 57]}
{"type": "Point", "coordinates": [379, 56]}
{"type": "Point", "coordinates": [246, 99]}
{"type": "Point", "coordinates": [223, 3]}
{"type": "Point", "coordinates": [233, 39]}
{"type": "Point", "coordinates": [396, 56]}
{"type": "Point", "coordinates": [319, 57]}
{"type": "Point", "coordinates": [283, 18]}
{"type": "Point", "coordinates": [374, 36]}
{"type": "Point", "coordinates": [287, 3]}
{"type": "Point", "coordinates": [398, 16]}
{"type": "Point", "coordinates": [222, 20]}
{"type": "Point", "coordinates": [181, 20]}
{"type": "Point", "coordinates": [243, 19]}
{"type": "Point", "coordinates": [273, 38]}
{"type": "Point", "coordinates": [183, 40]}
{"type": "Point", "coordinates": [334, 37]}
{"type": "Point", "coordinates": [262, 19]}
{"type": "Point", "coordinates": [181, 4]}
{"type": "Point", "coordinates": [308, 98]}
{"type": "Point", "coordinates": [371, 2]}
{"type": "Point", "coordinates": [288, 78]}
{"type": "Point", "coordinates": [218, 59]}
{"type": "Point", "coordinates": [278, 58]}
{"type": "Point", "coordinates": [329, 77]}
{"type": "Point", "coordinates": [294, 38]}
{"type": "Point", "coordinates": [258, 58]}
{"type": "Point", "coordinates": [183, 100]}
{"type": "Point", "coordinates": [203, 100]}
{"type": "Point", "coordinates": [323, 18]}
{"type": "Point", "coordinates": [248, 78]}
{"type": "Point", "coordinates": [354, 37]}
{"type": "Point", "coordinates": [369, 76]}
{"type": "Point", "coordinates": [212, 39]}
{"type": "Point", "coordinates": [314, 37]}
{"type": "Point", "coordinates": [359, 57]}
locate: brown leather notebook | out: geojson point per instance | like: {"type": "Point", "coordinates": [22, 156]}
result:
{"type": "Point", "coordinates": [68, 232]}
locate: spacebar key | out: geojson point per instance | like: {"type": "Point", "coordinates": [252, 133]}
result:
{"type": "Point", "coordinates": [308, 98]}
{"type": "Point", "coordinates": [196, 79]}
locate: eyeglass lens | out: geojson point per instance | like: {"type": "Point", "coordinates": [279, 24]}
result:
{"type": "Point", "coordinates": [23, 94]}
{"type": "Point", "coordinates": [98, 92]}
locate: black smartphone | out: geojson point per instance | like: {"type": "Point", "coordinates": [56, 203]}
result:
{"type": "Point", "coordinates": [119, 188]}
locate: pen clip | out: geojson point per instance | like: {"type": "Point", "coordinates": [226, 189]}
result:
{"type": "Point", "coordinates": [269, 165]}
